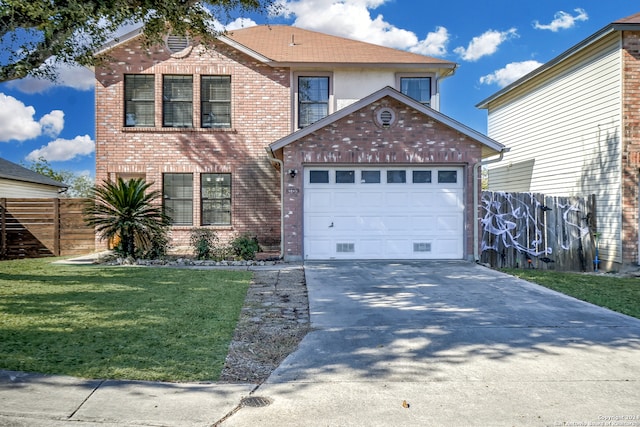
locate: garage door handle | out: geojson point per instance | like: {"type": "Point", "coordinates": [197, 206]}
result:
{"type": "Point", "coordinates": [331, 226]}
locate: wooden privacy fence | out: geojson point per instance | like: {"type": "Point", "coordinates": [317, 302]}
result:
{"type": "Point", "coordinates": [529, 230]}
{"type": "Point", "coordinates": [32, 228]}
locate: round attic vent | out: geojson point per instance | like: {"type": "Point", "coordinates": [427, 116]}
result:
{"type": "Point", "coordinates": [385, 117]}
{"type": "Point", "coordinates": [177, 44]}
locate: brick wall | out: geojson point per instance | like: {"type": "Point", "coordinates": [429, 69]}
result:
{"type": "Point", "coordinates": [260, 115]}
{"type": "Point", "coordinates": [631, 145]}
{"type": "Point", "coordinates": [357, 139]}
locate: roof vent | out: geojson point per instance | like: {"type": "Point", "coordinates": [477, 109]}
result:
{"type": "Point", "coordinates": [385, 117]}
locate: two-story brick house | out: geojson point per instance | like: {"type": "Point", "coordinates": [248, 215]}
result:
{"type": "Point", "coordinates": [323, 146]}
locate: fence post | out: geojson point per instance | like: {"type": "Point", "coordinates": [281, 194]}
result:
{"type": "Point", "coordinates": [3, 228]}
{"type": "Point", "coordinates": [56, 227]}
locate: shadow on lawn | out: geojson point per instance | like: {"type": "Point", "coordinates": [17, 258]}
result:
{"type": "Point", "coordinates": [120, 323]}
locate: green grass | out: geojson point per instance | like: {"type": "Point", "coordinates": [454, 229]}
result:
{"type": "Point", "coordinates": [621, 294]}
{"type": "Point", "coordinates": [118, 322]}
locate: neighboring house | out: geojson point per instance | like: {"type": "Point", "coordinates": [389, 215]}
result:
{"type": "Point", "coordinates": [321, 146]}
{"type": "Point", "coordinates": [19, 182]}
{"type": "Point", "coordinates": [573, 128]}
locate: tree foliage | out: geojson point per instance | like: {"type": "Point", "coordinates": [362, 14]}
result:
{"type": "Point", "coordinates": [79, 185]}
{"type": "Point", "coordinates": [124, 210]}
{"type": "Point", "coordinates": [72, 31]}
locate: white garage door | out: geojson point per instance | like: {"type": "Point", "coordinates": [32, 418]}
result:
{"type": "Point", "coordinates": [383, 213]}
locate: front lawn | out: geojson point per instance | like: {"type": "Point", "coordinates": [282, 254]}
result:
{"type": "Point", "coordinates": [621, 294]}
{"type": "Point", "coordinates": [118, 322]}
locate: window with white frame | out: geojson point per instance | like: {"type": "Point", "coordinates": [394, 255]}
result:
{"type": "Point", "coordinates": [417, 87]}
{"type": "Point", "coordinates": [139, 100]}
{"type": "Point", "coordinates": [313, 99]}
{"type": "Point", "coordinates": [216, 198]}
{"type": "Point", "coordinates": [177, 194]}
{"type": "Point", "coordinates": [177, 101]}
{"type": "Point", "coordinates": [215, 98]}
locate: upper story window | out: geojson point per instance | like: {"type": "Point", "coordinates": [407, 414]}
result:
{"type": "Point", "coordinates": [139, 100]}
{"type": "Point", "coordinates": [418, 88]}
{"type": "Point", "coordinates": [313, 99]}
{"type": "Point", "coordinates": [215, 96]}
{"type": "Point", "coordinates": [177, 101]}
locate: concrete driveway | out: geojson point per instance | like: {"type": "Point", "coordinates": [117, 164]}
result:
{"type": "Point", "coordinates": [450, 344]}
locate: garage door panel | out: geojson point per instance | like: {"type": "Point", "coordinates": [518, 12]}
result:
{"type": "Point", "coordinates": [369, 199]}
{"type": "Point", "coordinates": [397, 248]}
{"type": "Point", "coordinates": [316, 223]}
{"type": "Point", "coordinates": [344, 225]}
{"type": "Point", "coordinates": [396, 199]}
{"type": "Point", "coordinates": [320, 248]}
{"type": "Point", "coordinates": [396, 224]}
{"type": "Point", "coordinates": [423, 224]}
{"type": "Point", "coordinates": [422, 200]}
{"type": "Point", "coordinates": [370, 248]}
{"type": "Point", "coordinates": [447, 199]}
{"type": "Point", "coordinates": [447, 248]}
{"type": "Point", "coordinates": [448, 224]}
{"type": "Point", "coordinates": [371, 225]}
{"type": "Point", "coordinates": [320, 202]}
{"type": "Point", "coordinates": [345, 200]}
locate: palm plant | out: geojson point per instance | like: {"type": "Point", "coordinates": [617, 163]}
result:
{"type": "Point", "coordinates": [124, 210]}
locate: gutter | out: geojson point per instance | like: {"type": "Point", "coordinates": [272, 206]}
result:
{"type": "Point", "coordinates": [275, 160]}
{"type": "Point", "coordinates": [476, 202]}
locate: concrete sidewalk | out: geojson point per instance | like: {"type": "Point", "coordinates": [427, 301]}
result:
{"type": "Point", "coordinates": [450, 344]}
{"type": "Point", "coordinates": [42, 400]}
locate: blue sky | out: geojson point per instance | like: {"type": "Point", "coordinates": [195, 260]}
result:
{"type": "Point", "coordinates": [493, 42]}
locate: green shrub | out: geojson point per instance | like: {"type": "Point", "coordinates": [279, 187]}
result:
{"type": "Point", "coordinates": [245, 246]}
{"type": "Point", "coordinates": [157, 248]}
{"type": "Point", "coordinates": [204, 242]}
{"type": "Point", "coordinates": [128, 212]}
{"type": "Point", "coordinates": [222, 252]}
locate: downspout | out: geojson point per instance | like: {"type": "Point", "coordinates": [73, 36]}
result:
{"type": "Point", "coordinates": [476, 202]}
{"type": "Point", "coordinates": [273, 159]}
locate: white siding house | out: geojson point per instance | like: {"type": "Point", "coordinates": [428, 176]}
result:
{"type": "Point", "coordinates": [19, 182]}
{"type": "Point", "coordinates": [564, 124]}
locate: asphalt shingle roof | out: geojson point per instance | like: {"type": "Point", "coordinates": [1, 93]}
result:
{"type": "Point", "coordinates": [633, 19]}
{"type": "Point", "coordinates": [9, 170]}
{"type": "Point", "coordinates": [286, 44]}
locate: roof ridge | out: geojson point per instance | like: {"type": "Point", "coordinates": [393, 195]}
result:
{"type": "Point", "coordinates": [275, 42]}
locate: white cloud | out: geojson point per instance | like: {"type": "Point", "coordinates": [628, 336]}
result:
{"type": "Point", "coordinates": [510, 73]}
{"type": "Point", "coordinates": [435, 44]}
{"type": "Point", "coordinates": [17, 121]}
{"type": "Point", "coordinates": [52, 123]}
{"type": "Point", "coordinates": [71, 76]}
{"type": "Point", "coordinates": [352, 19]}
{"type": "Point", "coordinates": [64, 149]}
{"type": "Point", "coordinates": [485, 44]}
{"type": "Point", "coordinates": [562, 20]}
{"type": "Point", "coordinates": [235, 24]}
